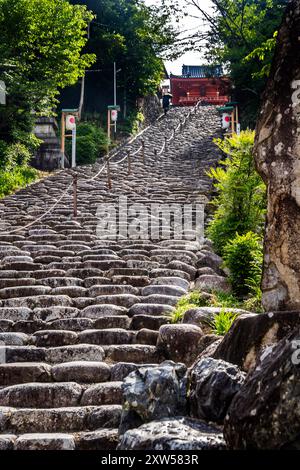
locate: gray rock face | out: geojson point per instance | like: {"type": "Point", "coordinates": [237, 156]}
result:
{"type": "Point", "coordinates": [265, 414]}
{"type": "Point", "coordinates": [277, 154]}
{"type": "Point", "coordinates": [209, 283]}
{"type": "Point", "coordinates": [152, 393]}
{"type": "Point", "coordinates": [212, 386]}
{"type": "Point", "coordinates": [208, 259]}
{"type": "Point", "coordinates": [179, 342]}
{"type": "Point", "coordinates": [203, 315]}
{"type": "Point", "coordinates": [45, 442]}
{"type": "Point", "coordinates": [251, 334]}
{"type": "Point", "coordinates": [173, 434]}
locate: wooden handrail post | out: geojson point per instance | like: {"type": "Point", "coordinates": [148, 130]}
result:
{"type": "Point", "coordinates": [75, 180]}
{"type": "Point", "coordinates": [155, 152]}
{"type": "Point", "coordinates": [166, 144]}
{"type": "Point", "coordinates": [62, 140]}
{"type": "Point", "coordinates": [143, 151]}
{"type": "Point", "coordinates": [108, 174]}
{"type": "Point", "coordinates": [129, 162]}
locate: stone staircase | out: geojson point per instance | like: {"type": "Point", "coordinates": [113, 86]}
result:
{"type": "Point", "coordinates": [78, 313]}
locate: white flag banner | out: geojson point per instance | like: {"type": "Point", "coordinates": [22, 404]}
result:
{"type": "Point", "coordinates": [2, 92]}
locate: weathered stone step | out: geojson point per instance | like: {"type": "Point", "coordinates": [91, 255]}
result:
{"type": "Point", "coordinates": [81, 372]}
{"type": "Point", "coordinates": [69, 419]}
{"type": "Point", "coordinates": [37, 301]}
{"type": "Point", "coordinates": [104, 439]}
{"type": "Point", "coordinates": [149, 321]}
{"type": "Point", "coordinates": [153, 309]}
{"type": "Point", "coordinates": [120, 300]}
{"type": "Point", "coordinates": [171, 281]}
{"type": "Point", "coordinates": [51, 338]}
{"type": "Point", "coordinates": [135, 281]}
{"type": "Point", "coordinates": [31, 441]}
{"type": "Point", "coordinates": [161, 289]}
{"type": "Point", "coordinates": [111, 289]}
{"type": "Point", "coordinates": [57, 355]}
{"type": "Point", "coordinates": [18, 373]}
{"type": "Point", "coordinates": [106, 337]}
{"type": "Point", "coordinates": [137, 353]}
{"type": "Point", "coordinates": [103, 310]}
{"type": "Point", "coordinates": [41, 395]}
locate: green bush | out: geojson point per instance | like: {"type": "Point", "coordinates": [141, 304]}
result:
{"type": "Point", "coordinates": [192, 300]}
{"type": "Point", "coordinates": [222, 322]}
{"type": "Point", "coordinates": [16, 178]}
{"type": "Point", "coordinates": [17, 155]}
{"type": "Point", "coordinates": [224, 299]}
{"type": "Point", "coordinates": [132, 123]}
{"type": "Point", "coordinates": [3, 155]}
{"type": "Point", "coordinates": [91, 143]}
{"type": "Point", "coordinates": [241, 194]}
{"type": "Point", "coordinates": [243, 256]}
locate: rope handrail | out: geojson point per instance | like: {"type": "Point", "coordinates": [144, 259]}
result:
{"type": "Point", "coordinates": [40, 217]}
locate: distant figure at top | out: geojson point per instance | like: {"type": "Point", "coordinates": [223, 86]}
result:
{"type": "Point", "coordinates": [166, 102]}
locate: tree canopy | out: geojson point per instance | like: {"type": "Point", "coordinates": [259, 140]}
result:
{"type": "Point", "coordinates": [135, 36]}
{"type": "Point", "coordinates": [41, 51]}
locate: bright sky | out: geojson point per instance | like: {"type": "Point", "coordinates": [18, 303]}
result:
{"type": "Point", "coordinates": [187, 23]}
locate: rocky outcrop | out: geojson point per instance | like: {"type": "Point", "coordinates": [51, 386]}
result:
{"type": "Point", "coordinates": [265, 414]}
{"type": "Point", "coordinates": [203, 316]}
{"type": "Point", "coordinates": [173, 434]}
{"type": "Point", "coordinates": [180, 342]}
{"type": "Point", "coordinates": [277, 154]}
{"type": "Point", "coordinates": [212, 386]}
{"type": "Point", "coordinates": [209, 283]}
{"type": "Point", "coordinates": [153, 393]}
{"type": "Point", "coordinates": [251, 334]}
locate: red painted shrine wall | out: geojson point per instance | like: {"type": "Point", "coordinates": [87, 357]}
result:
{"type": "Point", "coordinates": [188, 91]}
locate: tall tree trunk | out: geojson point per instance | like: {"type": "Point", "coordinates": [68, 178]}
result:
{"type": "Point", "coordinates": [277, 155]}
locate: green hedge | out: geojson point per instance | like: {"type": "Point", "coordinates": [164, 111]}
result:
{"type": "Point", "coordinates": [91, 143]}
{"type": "Point", "coordinates": [17, 178]}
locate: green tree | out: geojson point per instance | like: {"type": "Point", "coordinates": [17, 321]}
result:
{"type": "Point", "coordinates": [135, 36]}
{"type": "Point", "coordinates": [41, 52]}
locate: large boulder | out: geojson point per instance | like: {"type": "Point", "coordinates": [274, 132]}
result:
{"type": "Point", "coordinates": [277, 154]}
{"type": "Point", "coordinates": [204, 315]}
{"type": "Point", "coordinates": [180, 342]}
{"type": "Point", "coordinates": [173, 434]}
{"type": "Point", "coordinates": [212, 386]}
{"type": "Point", "coordinates": [209, 259]}
{"type": "Point", "coordinates": [153, 393]}
{"type": "Point", "coordinates": [209, 282]}
{"type": "Point", "coordinates": [252, 333]}
{"type": "Point", "coordinates": [265, 414]}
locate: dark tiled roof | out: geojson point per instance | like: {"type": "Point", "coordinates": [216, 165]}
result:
{"type": "Point", "coordinates": [201, 71]}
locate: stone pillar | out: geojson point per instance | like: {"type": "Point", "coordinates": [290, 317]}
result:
{"type": "Point", "coordinates": [48, 155]}
{"type": "Point", "coordinates": [277, 155]}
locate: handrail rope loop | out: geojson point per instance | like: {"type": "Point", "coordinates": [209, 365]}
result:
{"type": "Point", "coordinates": [40, 217]}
